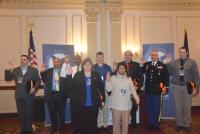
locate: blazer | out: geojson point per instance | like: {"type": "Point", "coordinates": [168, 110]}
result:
{"type": "Point", "coordinates": [191, 72]}
{"type": "Point", "coordinates": [47, 77]}
{"type": "Point", "coordinates": [22, 88]}
{"type": "Point", "coordinates": [78, 89]}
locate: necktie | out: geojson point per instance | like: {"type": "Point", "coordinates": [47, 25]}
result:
{"type": "Point", "coordinates": [153, 63]}
{"type": "Point", "coordinates": [78, 69]}
{"type": "Point", "coordinates": [127, 64]}
{"type": "Point", "coordinates": [56, 77]}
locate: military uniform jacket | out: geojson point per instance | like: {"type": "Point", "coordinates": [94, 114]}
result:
{"type": "Point", "coordinates": [155, 74]}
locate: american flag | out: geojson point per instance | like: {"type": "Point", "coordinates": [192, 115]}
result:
{"type": "Point", "coordinates": [32, 53]}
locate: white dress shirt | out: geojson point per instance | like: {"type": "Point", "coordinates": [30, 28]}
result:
{"type": "Point", "coordinates": [74, 70]}
{"type": "Point", "coordinates": [64, 68]}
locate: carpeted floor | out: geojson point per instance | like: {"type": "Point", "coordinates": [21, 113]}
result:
{"type": "Point", "coordinates": [10, 125]}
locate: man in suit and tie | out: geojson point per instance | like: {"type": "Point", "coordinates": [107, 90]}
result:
{"type": "Point", "coordinates": [135, 72]}
{"type": "Point", "coordinates": [27, 82]}
{"type": "Point", "coordinates": [55, 96]}
{"type": "Point", "coordinates": [75, 120]}
{"type": "Point", "coordinates": [77, 67]}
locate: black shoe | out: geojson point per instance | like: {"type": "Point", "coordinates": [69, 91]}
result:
{"type": "Point", "coordinates": [156, 128]}
{"type": "Point", "coordinates": [53, 130]}
{"type": "Point", "coordinates": [133, 127]}
{"type": "Point", "coordinates": [179, 128]}
{"type": "Point", "coordinates": [106, 130]}
{"type": "Point", "coordinates": [187, 129]}
{"type": "Point", "coordinates": [75, 131]}
{"type": "Point", "coordinates": [62, 130]}
{"type": "Point", "coordinates": [151, 127]}
{"type": "Point", "coordinates": [23, 132]}
{"type": "Point", "coordinates": [26, 132]}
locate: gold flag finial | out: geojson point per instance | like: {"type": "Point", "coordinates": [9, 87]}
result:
{"type": "Point", "coordinates": [185, 30]}
{"type": "Point", "coordinates": [30, 25]}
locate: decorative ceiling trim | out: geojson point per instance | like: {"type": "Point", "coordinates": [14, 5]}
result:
{"type": "Point", "coordinates": [115, 10]}
{"type": "Point", "coordinates": [161, 5]}
{"type": "Point", "coordinates": [92, 9]}
{"type": "Point", "coordinates": [42, 4]}
{"type": "Point", "coordinates": [124, 4]}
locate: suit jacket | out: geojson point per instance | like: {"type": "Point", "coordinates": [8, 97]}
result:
{"type": "Point", "coordinates": [22, 89]}
{"type": "Point", "coordinates": [47, 77]}
{"type": "Point", "coordinates": [135, 72]}
{"type": "Point", "coordinates": [154, 76]}
{"type": "Point", "coordinates": [78, 93]}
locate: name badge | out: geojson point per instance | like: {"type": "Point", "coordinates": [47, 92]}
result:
{"type": "Point", "coordinates": [122, 92]}
{"type": "Point", "coordinates": [89, 82]}
{"type": "Point", "coordinates": [20, 80]}
{"type": "Point", "coordinates": [102, 78]}
{"type": "Point", "coordinates": [181, 72]}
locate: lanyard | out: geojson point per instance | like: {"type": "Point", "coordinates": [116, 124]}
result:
{"type": "Point", "coordinates": [101, 71]}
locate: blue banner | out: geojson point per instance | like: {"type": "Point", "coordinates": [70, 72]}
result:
{"type": "Point", "coordinates": [168, 106]}
{"type": "Point", "coordinates": [50, 51]}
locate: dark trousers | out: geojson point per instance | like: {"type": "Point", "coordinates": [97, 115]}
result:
{"type": "Point", "coordinates": [133, 115]}
{"type": "Point", "coordinates": [56, 107]}
{"type": "Point", "coordinates": [74, 116]}
{"type": "Point", "coordinates": [25, 108]}
{"type": "Point", "coordinates": [153, 109]}
{"type": "Point", "coordinates": [88, 119]}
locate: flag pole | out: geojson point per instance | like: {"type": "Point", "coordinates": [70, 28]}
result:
{"type": "Point", "coordinates": [30, 26]}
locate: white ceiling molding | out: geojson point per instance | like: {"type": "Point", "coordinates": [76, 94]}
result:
{"type": "Point", "coordinates": [125, 4]}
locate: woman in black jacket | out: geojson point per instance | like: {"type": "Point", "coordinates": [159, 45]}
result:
{"type": "Point", "coordinates": [88, 93]}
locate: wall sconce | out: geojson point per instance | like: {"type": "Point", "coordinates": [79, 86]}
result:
{"type": "Point", "coordinates": [78, 49]}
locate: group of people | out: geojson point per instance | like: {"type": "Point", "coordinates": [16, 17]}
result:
{"type": "Point", "coordinates": [89, 87]}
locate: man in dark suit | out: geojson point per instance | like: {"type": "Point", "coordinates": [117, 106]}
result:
{"type": "Point", "coordinates": [135, 72]}
{"type": "Point", "coordinates": [27, 81]}
{"type": "Point", "coordinates": [55, 94]}
{"type": "Point", "coordinates": [157, 80]}
{"type": "Point", "coordinates": [74, 107]}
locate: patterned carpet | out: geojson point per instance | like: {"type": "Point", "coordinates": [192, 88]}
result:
{"type": "Point", "coordinates": [10, 125]}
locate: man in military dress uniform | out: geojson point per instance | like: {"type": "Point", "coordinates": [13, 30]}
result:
{"type": "Point", "coordinates": [156, 83]}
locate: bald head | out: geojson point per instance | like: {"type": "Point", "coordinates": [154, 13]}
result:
{"type": "Point", "coordinates": [77, 60]}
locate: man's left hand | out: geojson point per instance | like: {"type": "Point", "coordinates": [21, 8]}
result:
{"type": "Point", "coordinates": [195, 92]}
{"type": "Point", "coordinates": [32, 91]}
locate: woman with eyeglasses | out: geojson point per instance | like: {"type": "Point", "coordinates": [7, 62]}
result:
{"type": "Point", "coordinates": [89, 94]}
